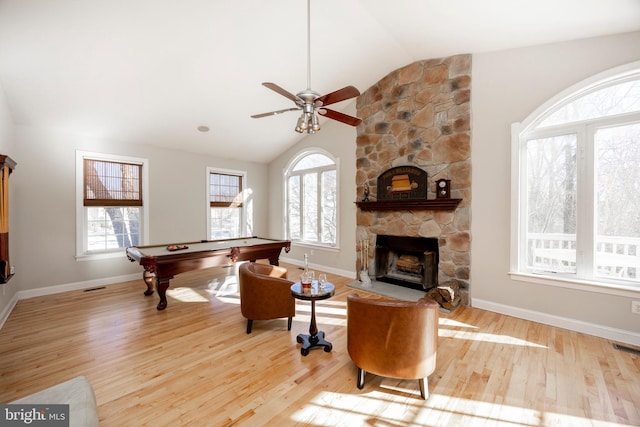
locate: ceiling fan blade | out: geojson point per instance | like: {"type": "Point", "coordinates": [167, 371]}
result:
{"type": "Point", "coordinates": [273, 113]}
{"type": "Point", "coordinates": [341, 117]}
{"type": "Point", "coordinates": [274, 87]}
{"type": "Point", "coordinates": [339, 95]}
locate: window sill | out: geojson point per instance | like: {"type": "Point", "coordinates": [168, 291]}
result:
{"type": "Point", "coordinates": [315, 246]}
{"type": "Point", "coordinates": [99, 256]}
{"type": "Point", "coordinates": [582, 285]}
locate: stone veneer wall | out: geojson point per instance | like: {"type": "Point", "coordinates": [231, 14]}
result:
{"type": "Point", "coordinates": [419, 115]}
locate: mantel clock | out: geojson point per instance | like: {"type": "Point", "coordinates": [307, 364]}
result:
{"type": "Point", "coordinates": [443, 189]}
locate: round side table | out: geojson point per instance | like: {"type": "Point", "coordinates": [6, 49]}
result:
{"type": "Point", "coordinates": [315, 338]}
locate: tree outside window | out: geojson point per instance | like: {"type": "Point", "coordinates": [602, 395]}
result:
{"type": "Point", "coordinates": [312, 200]}
{"type": "Point", "coordinates": [112, 205]}
{"type": "Point", "coordinates": [579, 181]}
{"type": "Point", "coordinates": [226, 205]}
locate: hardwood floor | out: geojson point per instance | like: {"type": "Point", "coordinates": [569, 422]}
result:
{"type": "Point", "coordinates": [193, 364]}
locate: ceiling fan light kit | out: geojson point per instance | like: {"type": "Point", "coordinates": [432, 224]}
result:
{"type": "Point", "coordinates": [310, 101]}
{"type": "Point", "coordinates": [307, 122]}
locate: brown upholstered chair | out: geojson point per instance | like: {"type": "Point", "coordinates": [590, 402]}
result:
{"type": "Point", "coordinates": [265, 293]}
{"type": "Point", "coordinates": [392, 338]}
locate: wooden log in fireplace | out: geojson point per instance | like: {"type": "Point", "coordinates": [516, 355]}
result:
{"type": "Point", "coordinates": [409, 263]}
{"type": "Point", "coordinates": [447, 295]}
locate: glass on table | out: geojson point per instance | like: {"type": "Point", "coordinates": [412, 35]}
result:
{"type": "Point", "coordinates": [306, 279]}
{"type": "Point", "coordinates": [322, 279]}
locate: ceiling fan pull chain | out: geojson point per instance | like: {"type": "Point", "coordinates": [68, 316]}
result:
{"type": "Point", "coordinates": [309, 44]}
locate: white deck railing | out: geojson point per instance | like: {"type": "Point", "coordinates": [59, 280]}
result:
{"type": "Point", "coordinates": [617, 257]}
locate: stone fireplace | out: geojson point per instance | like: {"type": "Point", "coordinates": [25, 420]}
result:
{"type": "Point", "coordinates": [418, 116]}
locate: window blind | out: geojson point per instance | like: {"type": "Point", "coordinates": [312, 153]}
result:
{"type": "Point", "coordinates": [108, 183]}
{"type": "Point", "coordinates": [225, 191]}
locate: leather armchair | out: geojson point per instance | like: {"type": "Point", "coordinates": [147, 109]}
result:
{"type": "Point", "coordinates": [265, 293]}
{"type": "Point", "coordinates": [392, 338]}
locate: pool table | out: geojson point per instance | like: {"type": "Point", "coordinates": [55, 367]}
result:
{"type": "Point", "coordinates": [165, 261]}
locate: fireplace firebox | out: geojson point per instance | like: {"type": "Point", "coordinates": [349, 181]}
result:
{"type": "Point", "coordinates": [406, 261]}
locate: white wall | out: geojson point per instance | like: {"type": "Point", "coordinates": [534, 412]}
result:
{"type": "Point", "coordinates": [339, 140]}
{"type": "Point", "coordinates": [44, 196]}
{"type": "Point", "coordinates": [6, 126]}
{"type": "Point", "coordinates": [506, 87]}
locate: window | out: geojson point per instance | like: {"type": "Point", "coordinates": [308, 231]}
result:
{"type": "Point", "coordinates": [110, 195]}
{"type": "Point", "coordinates": [577, 175]}
{"type": "Point", "coordinates": [226, 204]}
{"type": "Point", "coordinates": [312, 199]}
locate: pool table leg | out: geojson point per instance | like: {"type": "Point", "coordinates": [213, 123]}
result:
{"type": "Point", "coordinates": [162, 285]}
{"type": "Point", "coordinates": [148, 277]}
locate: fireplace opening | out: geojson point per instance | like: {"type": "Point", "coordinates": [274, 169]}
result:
{"type": "Point", "coordinates": [406, 261]}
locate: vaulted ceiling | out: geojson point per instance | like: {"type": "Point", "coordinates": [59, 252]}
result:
{"type": "Point", "coordinates": [152, 71]}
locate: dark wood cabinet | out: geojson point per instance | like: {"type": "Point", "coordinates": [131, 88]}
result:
{"type": "Point", "coordinates": [7, 165]}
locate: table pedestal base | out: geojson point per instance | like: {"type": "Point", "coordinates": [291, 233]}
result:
{"type": "Point", "coordinates": [312, 341]}
{"type": "Point", "coordinates": [315, 338]}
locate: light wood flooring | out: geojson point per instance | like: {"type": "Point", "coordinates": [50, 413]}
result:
{"type": "Point", "coordinates": [194, 365]}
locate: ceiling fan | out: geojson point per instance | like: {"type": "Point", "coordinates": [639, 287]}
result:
{"type": "Point", "coordinates": [311, 102]}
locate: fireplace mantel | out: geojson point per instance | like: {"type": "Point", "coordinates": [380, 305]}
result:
{"type": "Point", "coordinates": [400, 205]}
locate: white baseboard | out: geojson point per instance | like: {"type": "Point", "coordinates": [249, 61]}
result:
{"type": "Point", "coordinates": [4, 315]}
{"type": "Point", "coordinates": [56, 289]}
{"type": "Point", "coordinates": [339, 272]}
{"type": "Point", "coordinates": [613, 334]}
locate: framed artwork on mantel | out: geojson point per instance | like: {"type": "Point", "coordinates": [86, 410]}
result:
{"type": "Point", "coordinates": [405, 188]}
{"type": "Point", "coordinates": [402, 183]}
{"type": "Point", "coordinates": [7, 165]}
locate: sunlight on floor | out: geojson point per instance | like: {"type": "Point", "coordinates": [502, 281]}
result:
{"type": "Point", "coordinates": [484, 337]}
{"type": "Point", "coordinates": [229, 300]}
{"type": "Point", "coordinates": [327, 312]}
{"type": "Point", "coordinates": [187, 295]}
{"type": "Point", "coordinates": [454, 323]}
{"type": "Point", "coordinates": [478, 336]}
{"type": "Point", "coordinates": [375, 408]}
{"type": "Point", "coordinates": [334, 312]}
{"type": "Point", "coordinates": [224, 287]}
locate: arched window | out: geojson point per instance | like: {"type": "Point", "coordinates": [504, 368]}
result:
{"type": "Point", "coordinates": [312, 199]}
{"type": "Point", "coordinates": [577, 181]}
